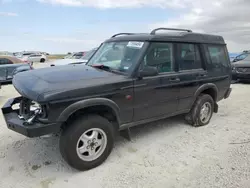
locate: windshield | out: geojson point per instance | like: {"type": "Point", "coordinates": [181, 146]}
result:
{"type": "Point", "coordinates": [119, 56]}
{"type": "Point", "coordinates": [241, 57]}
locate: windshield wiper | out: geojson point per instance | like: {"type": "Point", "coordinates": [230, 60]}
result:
{"type": "Point", "coordinates": [106, 68]}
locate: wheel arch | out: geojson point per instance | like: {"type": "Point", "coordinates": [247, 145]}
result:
{"type": "Point", "coordinates": [210, 89]}
{"type": "Point", "coordinates": [96, 104]}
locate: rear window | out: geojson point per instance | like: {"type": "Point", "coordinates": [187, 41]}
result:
{"type": "Point", "coordinates": [27, 53]}
{"type": "Point", "coordinates": [217, 55]}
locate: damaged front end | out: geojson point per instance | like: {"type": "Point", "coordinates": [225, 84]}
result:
{"type": "Point", "coordinates": [28, 117]}
{"type": "Point", "coordinates": [31, 112]}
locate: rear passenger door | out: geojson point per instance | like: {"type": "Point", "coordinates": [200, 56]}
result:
{"type": "Point", "coordinates": [35, 57]}
{"type": "Point", "coordinates": [191, 72]}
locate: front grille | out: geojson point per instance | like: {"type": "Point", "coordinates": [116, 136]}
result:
{"type": "Point", "coordinates": [243, 70]}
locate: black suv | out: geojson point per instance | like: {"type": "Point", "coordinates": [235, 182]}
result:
{"type": "Point", "coordinates": [131, 79]}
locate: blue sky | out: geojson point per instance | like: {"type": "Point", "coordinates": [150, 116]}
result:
{"type": "Point", "coordinates": [59, 26]}
{"type": "Point", "coordinates": [59, 29]}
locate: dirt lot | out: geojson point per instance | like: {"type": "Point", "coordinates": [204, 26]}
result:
{"type": "Point", "coordinates": [164, 154]}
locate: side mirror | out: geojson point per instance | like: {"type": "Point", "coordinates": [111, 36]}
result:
{"type": "Point", "coordinates": [148, 71]}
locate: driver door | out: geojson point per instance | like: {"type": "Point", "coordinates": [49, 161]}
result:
{"type": "Point", "coordinates": [157, 96]}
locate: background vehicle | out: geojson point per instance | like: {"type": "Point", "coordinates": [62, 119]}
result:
{"type": "Point", "coordinates": [69, 61]}
{"type": "Point", "coordinates": [76, 55]}
{"type": "Point", "coordinates": [241, 56]}
{"type": "Point", "coordinates": [27, 57]}
{"type": "Point", "coordinates": [130, 80]}
{"type": "Point", "coordinates": [233, 56]}
{"type": "Point", "coordinates": [61, 62]}
{"type": "Point", "coordinates": [241, 67]}
{"type": "Point", "coordinates": [9, 66]}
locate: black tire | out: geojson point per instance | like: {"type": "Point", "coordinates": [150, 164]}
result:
{"type": "Point", "coordinates": [193, 117]}
{"type": "Point", "coordinates": [70, 136]}
{"type": "Point", "coordinates": [42, 60]}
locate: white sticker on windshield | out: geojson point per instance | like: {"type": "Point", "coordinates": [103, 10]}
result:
{"type": "Point", "coordinates": [135, 44]}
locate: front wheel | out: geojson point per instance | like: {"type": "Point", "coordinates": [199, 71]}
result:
{"type": "Point", "coordinates": [87, 142]}
{"type": "Point", "coordinates": [42, 60]}
{"type": "Point", "coordinates": [201, 112]}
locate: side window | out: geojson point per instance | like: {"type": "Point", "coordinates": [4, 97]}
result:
{"type": "Point", "coordinates": [4, 61]}
{"type": "Point", "coordinates": [217, 55]}
{"type": "Point", "coordinates": [160, 55]}
{"type": "Point", "coordinates": [189, 57]}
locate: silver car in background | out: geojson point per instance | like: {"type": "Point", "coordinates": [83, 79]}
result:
{"type": "Point", "coordinates": [69, 61]}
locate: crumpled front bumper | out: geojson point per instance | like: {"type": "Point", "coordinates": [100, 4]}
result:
{"type": "Point", "coordinates": [18, 125]}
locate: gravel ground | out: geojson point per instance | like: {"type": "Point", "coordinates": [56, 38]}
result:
{"type": "Point", "coordinates": [165, 154]}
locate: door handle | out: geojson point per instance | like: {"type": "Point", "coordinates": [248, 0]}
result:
{"type": "Point", "coordinates": [174, 79]}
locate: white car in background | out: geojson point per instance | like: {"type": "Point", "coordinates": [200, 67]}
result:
{"type": "Point", "coordinates": [82, 60]}
{"type": "Point", "coordinates": [31, 57]}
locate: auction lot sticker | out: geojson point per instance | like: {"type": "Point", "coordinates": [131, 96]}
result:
{"type": "Point", "coordinates": [135, 44]}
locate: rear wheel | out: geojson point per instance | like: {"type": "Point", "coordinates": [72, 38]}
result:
{"type": "Point", "coordinates": [42, 60]}
{"type": "Point", "coordinates": [87, 142]}
{"type": "Point", "coordinates": [202, 111]}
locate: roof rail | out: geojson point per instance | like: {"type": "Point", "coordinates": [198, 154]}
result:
{"type": "Point", "coordinates": [122, 34]}
{"type": "Point", "coordinates": [171, 29]}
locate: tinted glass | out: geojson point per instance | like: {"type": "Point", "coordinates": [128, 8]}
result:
{"type": "Point", "coordinates": [159, 55]}
{"type": "Point", "coordinates": [241, 57]}
{"type": "Point", "coordinates": [189, 57]}
{"type": "Point", "coordinates": [4, 61]}
{"type": "Point", "coordinates": [27, 53]}
{"type": "Point", "coordinates": [217, 55]}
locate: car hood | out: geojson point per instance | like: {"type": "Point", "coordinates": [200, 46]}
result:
{"type": "Point", "coordinates": [241, 64]}
{"type": "Point", "coordinates": [67, 62]}
{"type": "Point", "coordinates": [64, 82]}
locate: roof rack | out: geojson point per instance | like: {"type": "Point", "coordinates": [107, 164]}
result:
{"type": "Point", "coordinates": [122, 34]}
{"type": "Point", "coordinates": [171, 29]}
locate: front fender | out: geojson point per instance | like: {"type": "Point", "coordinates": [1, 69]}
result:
{"type": "Point", "coordinates": [87, 103]}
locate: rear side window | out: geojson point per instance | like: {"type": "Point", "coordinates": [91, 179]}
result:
{"type": "Point", "coordinates": [27, 54]}
{"type": "Point", "coordinates": [217, 55]}
{"type": "Point", "coordinates": [36, 55]}
{"type": "Point", "coordinates": [4, 61]}
{"type": "Point", "coordinates": [189, 57]}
